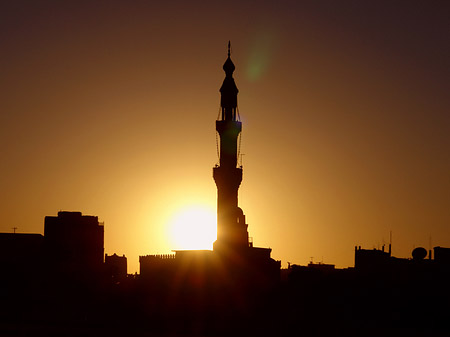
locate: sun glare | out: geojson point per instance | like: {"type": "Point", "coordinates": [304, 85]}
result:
{"type": "Point", "coordinates": [193, 227]}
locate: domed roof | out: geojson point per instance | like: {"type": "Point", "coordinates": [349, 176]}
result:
{"type": "Point", "coordinates": [419, 253]}
{"type": "Point", "coordinates": [228, 67]}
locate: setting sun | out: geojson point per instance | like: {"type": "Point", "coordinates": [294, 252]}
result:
{"type": "Point", "coordinates": [193, 227]}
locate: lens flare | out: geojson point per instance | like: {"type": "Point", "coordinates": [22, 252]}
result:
{"type": "Point", "coordinates": [260, 56]}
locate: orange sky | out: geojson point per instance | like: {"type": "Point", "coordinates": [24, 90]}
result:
{"type": "Point", "coordinates": [109, 109]}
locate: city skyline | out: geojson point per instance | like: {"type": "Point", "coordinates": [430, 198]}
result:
{"type": "Point", "coordinates": [109, 109]}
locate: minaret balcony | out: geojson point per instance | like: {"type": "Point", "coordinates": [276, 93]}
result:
{"type": "Point", "coordinates": [228, 127]}
{"type": "Point", "coordinates": [229, 178]}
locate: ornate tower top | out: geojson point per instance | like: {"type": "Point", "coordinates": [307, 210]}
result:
{"type": "Point", "coordinates": [228, 90]}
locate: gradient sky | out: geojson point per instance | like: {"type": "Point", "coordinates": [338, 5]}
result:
{"type": "Point", "coordinates": [108, 107]}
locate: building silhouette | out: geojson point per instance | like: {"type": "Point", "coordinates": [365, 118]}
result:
{"type": "Point", "coordinates": [21, 255]}
{"type": "Point", "coordinates": [442, 255]}
{"type": "Point", "coordinates": [116, 267]}
{"type": "Point", "coordinates": [74, 243]}
{"type": "Point", "coordinates": [232, 233]}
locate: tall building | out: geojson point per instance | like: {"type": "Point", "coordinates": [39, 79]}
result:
{"type": "Point", "coordinates": [231, 227]}
{"type": "Point", "coordinates": [232, 242]}
{"type": "Point", "coordinates": [74, 243]}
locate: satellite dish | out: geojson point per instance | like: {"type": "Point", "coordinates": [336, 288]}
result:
{"type": "Point", "coordinates": [419, 253]}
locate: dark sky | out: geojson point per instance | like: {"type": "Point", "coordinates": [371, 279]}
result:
{"type": "Point", "coordinates": [108, 107]}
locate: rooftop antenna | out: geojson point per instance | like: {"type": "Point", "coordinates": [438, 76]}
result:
{"type": "Point", "coordinates": [14, 229]}
{"type": "Point", "coordinates": [429, 249]}
{"type": "Point", "coordinates": [390, 243]}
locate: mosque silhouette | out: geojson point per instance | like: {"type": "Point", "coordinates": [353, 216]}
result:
{"type": "Point", "coordinates": [233, 258]}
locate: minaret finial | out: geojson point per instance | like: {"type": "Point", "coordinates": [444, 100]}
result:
{"type": "Point", "coordinates": [228, 90]}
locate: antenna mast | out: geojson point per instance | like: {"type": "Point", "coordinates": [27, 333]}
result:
{"type": "Point", "coordinates": [390, 243]}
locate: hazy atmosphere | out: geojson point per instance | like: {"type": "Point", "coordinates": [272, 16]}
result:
{"type": "Point", "coordinates": [108, 108]}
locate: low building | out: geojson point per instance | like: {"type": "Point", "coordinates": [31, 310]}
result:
{"type": "Point", "coordinates": [116, 267]}
{"type": "Point", "coordinates": [21, 255]}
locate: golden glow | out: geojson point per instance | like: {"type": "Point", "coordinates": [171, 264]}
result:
{"type": "Point", "coordinates": [112, 114]}
{"type": "Point", "coordinates": [193, 227]}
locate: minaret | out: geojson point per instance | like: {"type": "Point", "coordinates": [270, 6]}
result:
{"type": "Point", "coordinates": [231, 227]}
